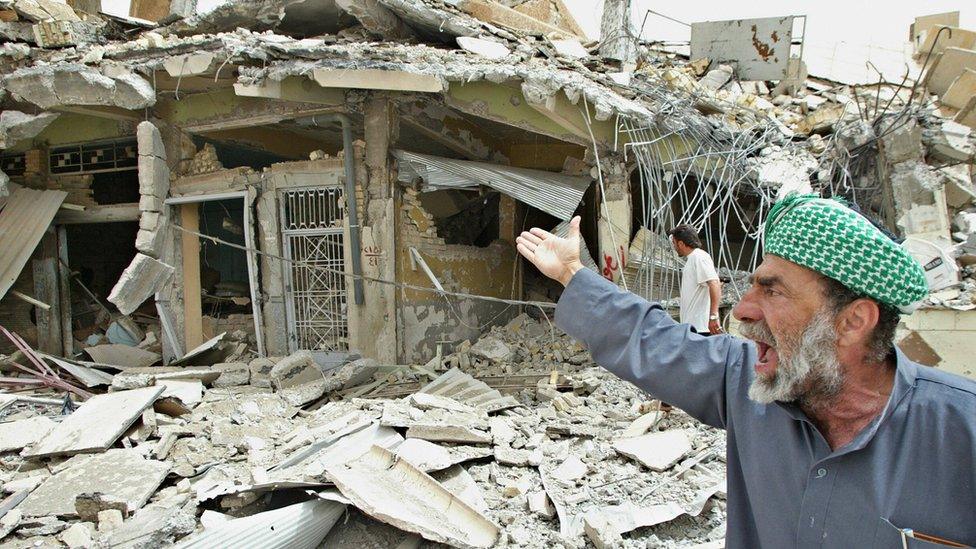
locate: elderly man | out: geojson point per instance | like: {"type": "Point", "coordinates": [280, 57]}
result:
{"type": "Point", "coordinates": [835, 438]}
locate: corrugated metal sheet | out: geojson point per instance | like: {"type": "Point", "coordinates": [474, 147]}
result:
{"type": "Point", "coordinates": [562, 230]}
{"type": "Point", "coordinates": [300, 526]}
{"type": "Point", "coordinates": [554, 193]}
{"type": "Point", "coordinates": [25, 217]}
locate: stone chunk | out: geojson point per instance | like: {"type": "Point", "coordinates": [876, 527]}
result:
{"type": "Point", "coordinates": [656, 451]}
{"type": "Point", "coordinates": [492, 349]}
{"type": "Point", "coordinates": [540, 504]}
{"type": "Point", "coordinates": [570, 470]}
{"type": "Point", "coordinates": [141, 279]}
{"type": "Point", "coordinates": [16, 126]}
{"type": "Point", "coordinates": [295, 369]}
{"type": "Point", "coordinates": [232, 374]}
{"type": "Point", "coordinates": [77, 536]}
{"type": "Point", "coordinates": [261, 371]}
{"type": "Point", "coordinates": [89, 505]}
{"type": "Point", "coordinates": [109, 520]}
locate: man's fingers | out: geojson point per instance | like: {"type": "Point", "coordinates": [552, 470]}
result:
{"type": "Point", "coordinates": [529, 245]}
{"type": "Point", "coordinates": [541, 233]}
{"type": "Point", "coordinates": [526, 252]}
{"type": "Point", "coordinates": [529, 237]}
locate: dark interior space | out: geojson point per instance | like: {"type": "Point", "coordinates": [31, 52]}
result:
{"type": "Point", "coordinates": [115, 187]}
{"type": "Point", "coordinates": [233, 155]}
{"type": "Point", "coordinates": [467, 218]}
{"type": "Point", "coordinates": [223, 269]}
{"type": "Point", "coordinates": [97, 256]}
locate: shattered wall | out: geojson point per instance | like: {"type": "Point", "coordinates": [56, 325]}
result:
{"type": "Point", "coordinates": [425, 318]}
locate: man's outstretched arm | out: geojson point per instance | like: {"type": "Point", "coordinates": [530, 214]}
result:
{"type": "Point", "coordinates": [631, 337]}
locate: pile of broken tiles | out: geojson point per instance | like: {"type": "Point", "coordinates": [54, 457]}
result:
{"type": "Point", "coordinates": [269, 453]}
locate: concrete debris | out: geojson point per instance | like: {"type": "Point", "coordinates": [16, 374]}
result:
{"type": "Point", "coordinates": [396, 492]}
{"type": "Point", "coordinates": [64, 85]}
{"type": "Point", "coordinates": [15, 435]}
{"type": "Point", "coordinates": [16, 126]}
{"type": "Point", "coordinates": [122, 474]}
{"type": "Point", "coordinates": [97, 424]}
{"type": "Point", "coordinates": [140, 280]}
{"type": "Point", "coordinates": [656, 451]}
{"type": "Point", "coordinates": [950, 141]}
{"type": "Point", "coordinates": [484, 48]}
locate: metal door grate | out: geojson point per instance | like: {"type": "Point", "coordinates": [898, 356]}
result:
{"type": "Point", "coordinates": [315, 293]}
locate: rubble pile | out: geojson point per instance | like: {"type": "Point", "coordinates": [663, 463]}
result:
{"type": "Point", "coordinates": [513, 440]}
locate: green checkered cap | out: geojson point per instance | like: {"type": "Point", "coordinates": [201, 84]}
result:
{"type": "Point", "coordinates": [828, 237]}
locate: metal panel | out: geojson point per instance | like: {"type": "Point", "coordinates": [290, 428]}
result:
{"type": "Point", "coordinates": [555, 193]}
{"type": "Point", "coordinates": [760, 48]}
{"type": "Point", "coordinates": [25, 217]}
{"type": "Point", "coordinates": [315, 292]}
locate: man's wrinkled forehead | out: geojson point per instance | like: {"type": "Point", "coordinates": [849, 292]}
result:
{"type": "Point", "coordinates": [785, 275]}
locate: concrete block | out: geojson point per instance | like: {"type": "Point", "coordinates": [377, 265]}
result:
{"type": "Point", "coordinates": [109, 520]}
{"type": "Point", "coordinates": [150, 242]}
{"type": "Point", "coordinates": [903, 143]}
{"type": "Point", "coordinates": [261, 371]}
{"type": "Point", "coordinates": [78, 535]}
{"type": "Point", "coordinates": [492, 349]}
{"type": "Point", "coordinates": [149, 140]}
{"type": "Point", "coordinates": [153, 176]}
{"type": "Point", "coordinates": [950, 141]}
{"type": "Point", "coordinates": [150, 203]}
{"type": "Point", "coordinates": [961, 91]}
{"type": "Point", "coordinates": [232, 374]}
{"type": "Point", "coordinates": [295, 369]}
{"type": "Point", "coordinates": [488, 49]}
{"type": "Point", "coordinates": [570, 470]}
{"type": "Point", "coordinates": [948, 66]}
{"type": "Point", "coordinates": [140, 280]}
{"type": "Point", "coordinates": [89, 505]}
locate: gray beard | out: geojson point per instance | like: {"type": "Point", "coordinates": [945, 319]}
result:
{"type": "Point", "coordinates": [808, 372]}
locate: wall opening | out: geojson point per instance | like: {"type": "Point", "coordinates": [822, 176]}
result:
{"type": "Point", "coordinates": [224, 285]}
{"type": "Point", "coordinates": [468, 218]}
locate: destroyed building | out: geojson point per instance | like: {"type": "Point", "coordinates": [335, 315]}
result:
{"type": "Point", "coordinates": [241, 221]}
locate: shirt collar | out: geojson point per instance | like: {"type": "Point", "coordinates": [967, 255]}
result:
{"type": "Point", "coordinates": [906, 372]}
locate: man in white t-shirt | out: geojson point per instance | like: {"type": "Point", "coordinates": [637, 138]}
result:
{"type": "Point", "coordinates": [701, 290]}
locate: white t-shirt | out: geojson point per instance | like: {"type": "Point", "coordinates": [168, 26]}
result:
{"type": "Point", "coordinates": [695, 303]}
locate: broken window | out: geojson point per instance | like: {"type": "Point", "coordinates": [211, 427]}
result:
{"type": "Point", "coordinates": [467, 218]}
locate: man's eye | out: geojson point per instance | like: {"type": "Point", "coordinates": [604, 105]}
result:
{"type": "Point", "coordinates": [771, 292]}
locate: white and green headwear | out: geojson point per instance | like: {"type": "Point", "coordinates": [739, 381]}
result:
{"type": "Point", "coordinates": [826, 236]}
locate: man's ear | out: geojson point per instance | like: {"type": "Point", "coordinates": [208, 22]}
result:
{"type": "Point", "coordinates": [856, 322]}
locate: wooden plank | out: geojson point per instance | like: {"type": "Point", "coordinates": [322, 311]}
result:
{"type": "Point", "coordinates": [64, 293]}
{"type": "Point", "coordinates": [97, 424]}
{"type": "Point", "coordinates": [99, 214]}
{"type": "Point", "coordinates": [192, 306]}
{"type": "Point", "coordinates": [48, 321]}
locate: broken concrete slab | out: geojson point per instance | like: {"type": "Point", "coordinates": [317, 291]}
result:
{"type": "Point", "coordinates": [947, 67]}
{"type": "Point", "coordinates": [261, 371]}
{"type": "Point", "coordinates": [189, 392]}
{"type": "Point", "coordinates": [426, 401]}
{"type": "Point", "coordinates": [16, 126]}
{"type": "Point", "coordinates": [141, 279]}
{"type": "Point", "coordinates": [302, 394]}
{"type": "Point", "coordinates": [570, 470]}
{"type": "Point", "coordinates": [460, 483]}
{"type": "Point", "coordinates": [78, 535]}
{"type": "Point", "coordinates": [49, 86]}
{"type": "Point", "coordinates": [394, 491]}
{"type": "Point", "coordinates": [428, 456]}
{"type": "Point", "coordinates": [449, 433]}
{"type": "Point", "coordinates": [642, 424]}
{"type": "Point", "coordinates": [97, 424]}
{"type": "Point", "coordinates": [121, 356]}
{"type": "Point", "coordinates": [492, 349]}
{"type": "Point", "coordinates": [570, 48]}
{"type": "Point", "coordinates": [232, 374]}
{"type": "Point", "coordinates": [376, 19]}
{"type": "Point", "coordinates": [656, 451]}
{"type": "Point", "coordinates": [949, 141]}
{"type": "Point", "coordinates": [488, 49]}
{"type": "Point", "coordinates": [120, 473]}
{"type": "Point", "coordinates": [15, 435]}
{"type": "Point", "coordinates": [961, 91]}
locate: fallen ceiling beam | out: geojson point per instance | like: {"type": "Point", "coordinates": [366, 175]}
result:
{"type": "Point", "coordinates": [111, 113]}
{"type": "Point", "coordinates": [224, 110]}
{"type": "Point", "coordinates": [99, 214]}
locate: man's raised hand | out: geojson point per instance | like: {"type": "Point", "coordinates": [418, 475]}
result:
{"type": "Point", "coordinates": [558, 258]}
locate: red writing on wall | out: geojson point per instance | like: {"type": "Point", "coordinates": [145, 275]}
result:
{"type": "Point", "coordinates": [610, 267]}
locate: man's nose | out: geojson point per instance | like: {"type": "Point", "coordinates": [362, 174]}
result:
{"type": "Point", "coordinates": [747, 310]}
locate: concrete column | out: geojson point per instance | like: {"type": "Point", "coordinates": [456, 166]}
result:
{"type": "Point", "coordinates": [614, 215]}
{"type": "Point", "coordinates": [373, 325]}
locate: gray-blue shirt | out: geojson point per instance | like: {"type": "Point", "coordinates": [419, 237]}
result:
{"type": "Point", "coordinates": [912, 467]}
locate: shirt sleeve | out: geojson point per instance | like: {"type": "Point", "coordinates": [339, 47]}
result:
{"type": "Point", "coordinates": [638, 341]}
{"type": "Point", "coordinates": [704, 268]}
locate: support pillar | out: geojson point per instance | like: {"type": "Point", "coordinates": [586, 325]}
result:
{"type": "Point", "coordinates": [615, 213]}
